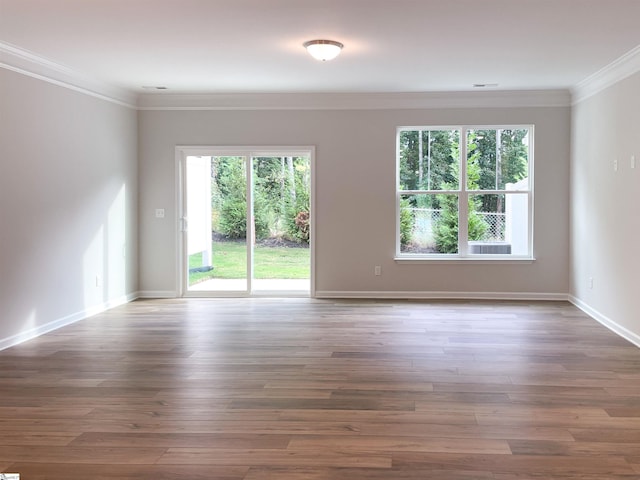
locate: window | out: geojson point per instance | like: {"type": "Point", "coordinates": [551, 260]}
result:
{"type": "Point", "coordinates": [479, 208]}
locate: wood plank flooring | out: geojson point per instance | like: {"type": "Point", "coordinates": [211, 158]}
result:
{"type": "Point", "coordinates": [302, 389]}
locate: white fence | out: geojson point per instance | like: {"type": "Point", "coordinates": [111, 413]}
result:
{"type": "Point", "coordinates": [425, 220]}
{"type": "Point", "coordinates": [511, 227]}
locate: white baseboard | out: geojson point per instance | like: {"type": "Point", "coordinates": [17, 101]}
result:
{"type": "Point", "coordinates": [399, 295]}
{"type": "Point", "coordinates": [606, 321]}
{"type": "Point", "coordinates": [157, 294]}
{"type": "Point", "coordinates": [64, 321]}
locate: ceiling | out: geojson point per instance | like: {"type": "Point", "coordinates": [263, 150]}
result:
{"type": "Point", "coordinates": [255, 46]}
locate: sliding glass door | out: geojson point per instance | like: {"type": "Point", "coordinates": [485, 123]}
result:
{"type": "Point", "coordinates": [246, 222]}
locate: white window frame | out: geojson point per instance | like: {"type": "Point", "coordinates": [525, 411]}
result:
{"type": "Point", "coordinates": [463, 196]}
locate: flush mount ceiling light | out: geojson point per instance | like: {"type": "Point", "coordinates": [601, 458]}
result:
{"type": "Point", "coordinates": [323, 50]}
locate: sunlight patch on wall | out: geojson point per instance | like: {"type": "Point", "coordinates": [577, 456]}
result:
{"type": "Point", "coordinates": [104, 260]}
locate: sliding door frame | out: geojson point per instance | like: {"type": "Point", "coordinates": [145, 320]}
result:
{"type": "Point", "coordinates": [248, 152]}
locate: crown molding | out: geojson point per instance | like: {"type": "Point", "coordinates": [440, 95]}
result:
{"type": "Point", "coordinates": [618, 70]}
{"type": "Point", "coordinates": [355, 101]}
{"type": "Point", "coordinates": [27, 63]}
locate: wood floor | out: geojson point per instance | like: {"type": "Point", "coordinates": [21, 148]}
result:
{"type": "Point", "coordinates": [265, 389]}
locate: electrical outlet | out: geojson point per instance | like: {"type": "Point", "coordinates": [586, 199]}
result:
{"type": "Point", "coordinates": [615, 165]}
{"type": "Point", "coordinates": [377, 270]}
{"type": "Point", "coordinates": [159, 212]}
{"type": "Point", "coordinates": [591, 283]}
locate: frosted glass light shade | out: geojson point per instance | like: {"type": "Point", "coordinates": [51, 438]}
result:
{"type": "Point", "coordinates": [323, 50]}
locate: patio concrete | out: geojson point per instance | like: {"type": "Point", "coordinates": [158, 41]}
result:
{"type": "Point", "coordinates": [297, 286]}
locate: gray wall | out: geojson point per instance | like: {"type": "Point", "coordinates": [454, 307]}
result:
{"type": "Point", "coordinates": [68, 205]}
{"type": "Point", "coordinates": [605, 227]}
{"type": "Point", "coordinates": [355, 195]}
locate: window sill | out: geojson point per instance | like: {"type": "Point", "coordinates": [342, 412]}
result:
{"type": "Point", "coordinates": [498, 260]}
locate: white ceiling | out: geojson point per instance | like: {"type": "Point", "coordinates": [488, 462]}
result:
{"type": "Point", "coordinates": [240, 46]}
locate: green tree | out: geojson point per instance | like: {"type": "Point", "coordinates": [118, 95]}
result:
{"type": "Point", "coordinates": [446, 227]}
{"type": "Point", "coordinates": [425, 162]}
{"type": "Point", "coordinates": [297, 213]}
{"type": "Point", "coordinates": [269, 193]}
{"type": "Point", "coordinates": [281, 194]}
{"type": "Point", "coordinates": [230, 199]}
{"type": "Point", "coordinates": [280, 197]}
{"type": "Point", "coordinates": [406, 222]}
{"type": "Point", "coordinates": [502, 157]}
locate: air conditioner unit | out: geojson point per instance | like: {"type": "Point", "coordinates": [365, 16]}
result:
{"type": "Point", "coordinates": [490, 248]}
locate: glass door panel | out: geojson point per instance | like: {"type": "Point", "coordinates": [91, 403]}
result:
{"type": "Point", "coordinates": [281, 194]}
{"type": "Point", "coordinates": [216, 210]}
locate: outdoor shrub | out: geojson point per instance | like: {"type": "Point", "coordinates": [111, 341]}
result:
{"type": "Point", "coordinates": [296, 226]}
{"type": "Point", "coordinates": [261, 218]}
{"type": "Point", "coordinates": [233, 218]}
{"type": "Point", "coordinates": [302, 224]}
{"type": "Point", "coordinates": [446, 228]}
{"type": "Point", "coordinates": [281, 193]}
{"type": "Point", "coordinates": [406, 222]}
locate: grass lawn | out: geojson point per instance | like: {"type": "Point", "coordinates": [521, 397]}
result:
{"type": "Point", "coordinates": [230, 261]}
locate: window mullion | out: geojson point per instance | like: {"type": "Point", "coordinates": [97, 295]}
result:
{"type": "Point", "coordinates": [463, 198]}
